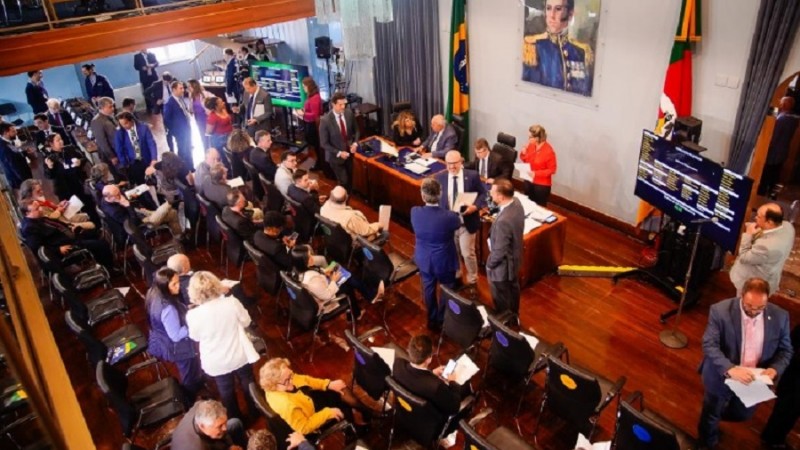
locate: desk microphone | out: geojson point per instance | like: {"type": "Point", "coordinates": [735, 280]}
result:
{"type": "Point", "coordinates": [714, 219]}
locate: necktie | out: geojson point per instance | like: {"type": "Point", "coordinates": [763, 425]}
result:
{"type": "Point", "coordinates": [483, 167]}
{"type": "Point", "coordinates": [137, 150]}
{"type": "Point", "coordinates": [455, 192]}
{"type": "Point", "coordinates": [58, 119]}
{"type": "Point", "coordinates": [750, 355]}
{"type": "Point", "coordinates": [342, 128]}
{"type": "Point", "coordinates": [252, 105]}
{"type": "Point", "coordinates": [435, 141]}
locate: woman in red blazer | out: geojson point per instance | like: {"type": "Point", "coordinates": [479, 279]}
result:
{"type": "Point", "coordinates": [542, 159]}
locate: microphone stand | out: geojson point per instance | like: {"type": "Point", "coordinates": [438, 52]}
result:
{"type": "Point", "coordinates": [674, 338]}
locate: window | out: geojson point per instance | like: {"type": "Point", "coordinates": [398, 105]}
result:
{"type": "Point", "coordinates": [174, 52]}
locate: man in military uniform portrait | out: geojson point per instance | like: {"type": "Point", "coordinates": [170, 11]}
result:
{"type": "Point", "coordinates": [554, 58]}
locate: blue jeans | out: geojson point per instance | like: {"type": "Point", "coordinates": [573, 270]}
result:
{"type": "Point", "coordinates": [227, 391]}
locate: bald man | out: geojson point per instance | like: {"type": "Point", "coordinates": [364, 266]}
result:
{"type": "Point", "coordinates": [443, 137]}
{"type": "Point", "coordinates": [352, 220]}
{"type": "Point", "coordinates": [765, 245]}
{"type": "Point", "coordinates": [118, 208]}
{"type": "Point", "coordinates": [183, 267]}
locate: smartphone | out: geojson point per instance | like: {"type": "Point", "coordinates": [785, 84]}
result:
{"type": "Point", "coordinates": [449, 368]}
{"type": "Point", "coordinates": [550, 219]}
{"type": "Point", "coordinates": [294, 236]}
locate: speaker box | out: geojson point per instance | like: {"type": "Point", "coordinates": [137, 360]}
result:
{"type": "Point", "coordinates": [687, 128]}
{"type": "Point", "coordinates": [322, 45]}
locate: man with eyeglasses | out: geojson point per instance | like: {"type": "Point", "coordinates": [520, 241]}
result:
{"type": "Point", "coordinates": [766, 244]}
{"type": "Point", "coordinates": [489, 165]}
{"type": "Point", "coordinates": [744, 335]}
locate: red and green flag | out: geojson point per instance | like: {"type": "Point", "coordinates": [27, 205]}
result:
{"type": "Point", "coordinates": [676, 98]}
{"type": "Point", "coordinates": [458, 91]}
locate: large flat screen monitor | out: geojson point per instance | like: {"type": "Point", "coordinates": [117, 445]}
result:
{"type": "Point", "coordinates": [282, 81]}
{"type": "Point", "coordinates": [689, 188]}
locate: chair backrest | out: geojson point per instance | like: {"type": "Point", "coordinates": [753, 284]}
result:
{"type": "Point", "coordinates": [234, 247]}
{"type": "Point", "coordinates": [275, 199]}
{"type": "Point", "coordinates": [303, 309]}
{"type": "Point", "coordinates": [276, 425]}
{"type": "Point", "coordinates": [473, 440]}
{"type": "Point", "coordinates": [137, 237]}
{"type": "Point", "coordinates": [191, 207]}
{"type": "Point", "coordinates": [258, 188]}
{"type": "Point", "coordinates": [95, 349]}
{"type": "Point", "coordinates": [209, 210]}
{"type": "Point", "coordinates": [636, 430]}
{"type": "Point", "coordinates": [146, 263]}
{"type": "Point", "coordinates": [369, 369]}
{"type": "Point", "coordinates": [510, 353]}
{"type": "Point", "coordinates": [462, 320]}
{"type": "Point", "coordinates": [458, 125]}
{"type": "Point", "coordinates": [338, 242]}
{"type": "Point", "coordinates": [377, 264]}
{"type": "Point", "coordinates": [64, 288]}
{"type": "Point", "coordinates": [304, 221]}
{"type": "Point", "coordinates": [415, 415]}
{"type": "Point", "coordinates": [507, 139]}
{"type": "Point", "coordinates": [266, 270]}
{"type": "Point", "coordinates": [114, 386]}
{"type": "Point", "coordinates": [401, 105]}
{"type": "Point", "coordinates": [572, 393]}
{"type": "Point", "coordinates": [508, 154]}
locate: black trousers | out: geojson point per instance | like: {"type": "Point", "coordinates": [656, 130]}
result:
{"type": "Point", "coordinates": [786, 410]}
{"type": "Point", "coordinates": [343, 169]}
{"type": "Point", "coordinates": [99, 249]}
{"type": "Point", "coordinates": [769, 177]}
{"type": "Point", "coordinates": [538, 193]}
{"type": "Point", "coordinates": [505, 295]}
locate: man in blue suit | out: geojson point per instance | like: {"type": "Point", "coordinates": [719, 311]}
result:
{"type": "Point", "coordinates": [435, 250]}
{"type": "Point", "coordinates": [233, 84]}
{"type": "Point", "coordinates": [135, 146]}
{"type": "Point", "coordinates": [454, 181]}
{"type": "Point", "coordinates": [742, 334]}
{"type": "Point", "coordinates": [177, 121]}
{"type": "Point", "coordinates": [443, 138]}
{"type": "Point", "coordinates": [12, 156]}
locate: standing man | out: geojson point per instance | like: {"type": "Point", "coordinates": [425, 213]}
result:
{"type": "Point", "coordinates": [338, 136]}
{"type": "Point", "coordinates": [145, 62]}
{"type": "Point", "coordinates": [104, 130]}
{"type": "Point", "coordinates": [178, 122]}
{"type": "Point", "coordinates": [443, 137]}
{"type": "Point", "coordinates": [158, 93]}
{"type": "Point", "coordinates": [455, 181]}
{"type": "Point", "coordinates": [45, 128]}
{"type": "Point", "coordinates": [136, 148]}
{"type": "Point", "coordinates": [787, 408]}
{"type": "Point", "coordinates": [766, 243]}
{"type": "Point", "coordinates": [256, 108]}
{"type": "Point", "coordinates": [435, 251]}
{"type": "Point", "coordinates": [785, 127]}
{"type": "Point", "coordinates": [489, 165]}
{"type": "Point", "coordinates": [12, 156]}
{"type": "Point", "coordinates": [742, 334]}
{"type": "Point", "coordinates": [36, 92]}
{"type": "Point", "coordinates": [505, 248]}
{"type": "Point", "coordinates": [233, 87]}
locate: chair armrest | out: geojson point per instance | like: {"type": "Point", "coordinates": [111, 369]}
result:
{"type": "Point", "coordinates": [138, 366]}
{"type": "Point", "coordinates": [149, 407]}
{"type": "Point", "coordinates": [364, 336]}
{"type": "Point", "coordinates": [505, 317]}
{"type": "Point", "coordinates": [613, 392]}
{"type": "Point", "coordinates": [341, 425]}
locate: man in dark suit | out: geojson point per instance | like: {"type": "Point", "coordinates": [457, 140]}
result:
{"type": "Point", "coordinates": [145, 63]}
{"type": "Point", "coordinates": [742, 334]}
{"type": "Point", "coordinates": [236, 217]}
{"type": "Point", "coordinates": [261, 159]}
{"type": "Point", "coordinates": [304, 191]}
{"type": "Point", "coordinates": [414, 374]}
{"type": "Point", "coordinates": [489, 165]}
{"type": "Point", "coordinates": [256, 107]}
{"type": "Point", "coordinates": [183, 267]}
{"type": "Point", "coordinates": [136, 148]}
{"type": "Point", "coordinates": [786, 123]}
{"type": "Point", "coordinates": [443, 137]}
{"type": "Point", "coordinates": [57, 116]}
{"type": "Point", "coordinates": [274, 242]}
{"type": "Point", "coordinates": [505, 248]}
{"type": "Point", "coordinates": [338, 135]}
{"type": "Point", "coordinates": [177, 121]}
{"type": "Point", "coordinates": [233, 85]}
{"type": "Point", "coordinates": [454, 181]}
{"type": "Point", "coordinates": [35, 92]}
{"type": "Point", "coordinates": [216, 188]}
{"type": "Point", "coordinates": [12, 157]}
{"type": "Point", "coordinates": [104, 129]}
{"type": "Point", "coordinates": [158, 93]}
{"type": "Point", "coordinates": [435, 250]}
{"type": "Point", "coordinates": [46, 129]}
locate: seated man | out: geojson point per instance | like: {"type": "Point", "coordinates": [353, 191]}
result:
{"type": "Point", "coordinates": [443, 393]}
{"type": "Point", "coordinates": [118, 208]}
{"type": "Point", "coordinates": [283, 176]}
{"type": "Point", "coordinates": [183, 267]}
{"type": "Point", "coordinates": [58, 238]}
{"type": "Point", "coordinates": [275, 242]}
{"type": "Point", "coordinates": [57, 116]}
{"type": "Point", "coordinates": [261, 158]}
{"type": "Point", "coordinates": [352, 220]}
{"type": "Point", "coordinates": [443, 138]}
{"type": "Point", "coordinates": [202, 173]}
{"type": "Point", "coordinates": [489, 165]}
{"type": "Point", "coordinates": [216, 188]}
{"type": "Point", "coordinates": [237, 217]}
{"type": "Point", "coordinates": [304, 191]}
{"type": "Point", "coordinates": [206, 427]}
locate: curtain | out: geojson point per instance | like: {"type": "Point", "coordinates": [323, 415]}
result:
{"type": "Point", "coordinates": [407, 61]}
{"type": "Point", "coordinates": [775, 29]}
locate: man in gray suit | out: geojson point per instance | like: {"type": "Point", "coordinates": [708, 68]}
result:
{"type": "Point", "coordinates": [256, 108]}
{"type": "Point", "coordinates": [104, 130]}
{"type": "Point", "coordinates": [505, 248]}
{"type": "Point", "coordinates": [338, 136]}
{"type": "Point", "coordinates": [443, 137]}
{"type": "Point", "coordinates": [765, 245]}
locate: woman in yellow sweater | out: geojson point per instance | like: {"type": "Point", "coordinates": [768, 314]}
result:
{"type": "Point", "coordinates": [304, 402]}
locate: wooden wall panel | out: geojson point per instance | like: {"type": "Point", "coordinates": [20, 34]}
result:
{"type": "Point", "coordinates": [69, 45]}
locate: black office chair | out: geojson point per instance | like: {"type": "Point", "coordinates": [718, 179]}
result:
{"type": "Point", "coordinates": [463, 322]}
{"type": "Point", "coordinates": [415, 416]}
{"type": "Point", "coordinates": [304, 222]}
{"type": "Point", "coordinates": [233, 245]}
{"type": "Point", "coordinates": [77, 265]}
{"type": "Point", "coordinates": [338, 242]}
{"type": "Point", "coordinates": [398, 107]}
{"type": "Point", "coordinates": [109, 303]}
{"type": "Point", "coordinates": [209, 211]}
{"type": "Point", "coordinates": [304, 310]}
{"type": "Point", "coordinates": [511, 354]}
{"type": "Point", "coordinates": [501, 438]}
{"type": "Point", "coordinates": [275, 200]}
{"type": "Point", "coordinates": [158, 254]}
{"type": "Point", "coordinates": [150, 406]}
{"type": "Point", "coordinates": [508, 154]}
{"type": "Point", "coordinates": [267, 273]}
{"type": "Point", "coordinates": [576, 395]}
{"type": "Point", "coordinates": [191, 207]}
{"type": "Point", "coordinates": [145, 263]}
{"type": "Point", "coordinates": [118, 347]}
{"type": "Point", "coordinates": [253, 173]}
{"type": "Point", "coordinates": [641, 429]}
{"type": "Point", "coordinates": [369, 369]}
{"type": "Point", "coordinates": [507, 139]}
{"type": "Point", "coordinates": [460, 128]}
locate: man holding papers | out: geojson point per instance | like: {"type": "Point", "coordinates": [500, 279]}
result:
{"type": "Point", "coordinates": [465, 194]}
{"type": "Point", "coordinates": [742, 334]}
{"type": "Point", "coordinates": [505, 248]}
{"type": "Point", "coordinates": [256, 107]}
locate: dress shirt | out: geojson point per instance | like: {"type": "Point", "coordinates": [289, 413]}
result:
{"type": "Point", "coordinates": [435, 142]}
{"type": "Point", "coordinates": [752, 338]}
{"type": "Point", "coordinates": [456, 186]}
{"type": "Point", "coordinates": [166, 91]}
{"type": "Point", "coordinates": [135, 143]}
{"type": "Point", "coordinates": [483, 167]}
{"type": "Point", "coordinates": [283, 179]}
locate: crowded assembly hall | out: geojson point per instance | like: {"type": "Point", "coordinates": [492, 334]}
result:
{"type": "Point", "coordinates": [399, 224]}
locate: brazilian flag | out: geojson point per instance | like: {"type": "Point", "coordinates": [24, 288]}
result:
{"type": "Point", "coordinates": [458, 92]}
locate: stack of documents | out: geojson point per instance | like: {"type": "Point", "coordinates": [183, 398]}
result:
{"type": "Point", "coordinates": [754, 393]}
{"type": "Point", "coordinates": [417, 168]}
{"type": "Point", "coordinates": [238, 181]}
{"type": "Point", "coordinates": [465, 369]}
{"type": "Point", "coordinates": [74, 207]}
{"type": "Point", "coordinates": [386, 354]}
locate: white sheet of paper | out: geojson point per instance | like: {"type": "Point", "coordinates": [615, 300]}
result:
{"type": "Point", "coordinates": [74, 207]}
{"type": "Point", "coordinates": [584, 444]}
{"type": "Point", "coordinates": [530, 225]}
{"type": "Point", "coordinates": [385, 216]}
{"type": "Point", "coordinates": [464, 199]}
{"type": "Point", "coordinates": [79, 121]}
{"type": "Point", "coordinates": [228, 283]}
{"type": "Point", "coordinates": [230, 99]}
{"type": "Point", "coordinates": [484, 315]}
{"type": "Point", "coordinates": [137, 191]}
{"type": "Point", "coordinates": [757, 373]}
{"type": "Point", "coordinates": [236, 182]}
{"type": "Point", "coordinates": [389, 149]}
{"type": "Point", "coordinates": [386, 354]}
{"type": "Point", "coordinates": [532, 341]}
{"type": "Point", "coordinates": [417, 168]}
{"type": "Point", "coordinates": [427, 162]}
{"type": "Point", "coordinates": [258, 110]}
{"type": "Point", "coordinates": [124, 291]}
{"type": "Point", "coordinates": [751, 394]}
{"type": "Point", "coordinates": [523, 171]}
{"type": "Point", "coordinates": [465, 369]}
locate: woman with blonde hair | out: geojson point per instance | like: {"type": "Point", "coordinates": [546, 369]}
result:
{"type": "Point", "coordinates": [217, 322]}
{"type": "Point", "coordinates": [542, 159]}
{"type": "Point", "coordinates": [404, 129]}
